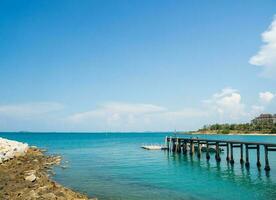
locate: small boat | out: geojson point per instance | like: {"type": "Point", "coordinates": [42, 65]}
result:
{"type": "Point", "coordinates": [154, 147]}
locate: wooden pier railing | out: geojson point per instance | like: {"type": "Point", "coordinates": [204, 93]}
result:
{"type": "Point", "coordinates": [184, 145]}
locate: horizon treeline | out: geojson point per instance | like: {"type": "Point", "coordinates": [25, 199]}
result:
{"type": "Point", "coordinates": [260, 127]}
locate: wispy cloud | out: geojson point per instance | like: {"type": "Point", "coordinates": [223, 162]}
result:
{"type": "Point", "coordinates": [256, 110]}
{"type": "Point", "coordinates": [115, 111]}
{"type": "Point", "coordinates": [29, 110]}
{"type": "Point", "coordinates": [266, 57]}
{"type": "Point", "coordinates": [224, 106]}
{"type": "Point", "coordinates": [131, 116]}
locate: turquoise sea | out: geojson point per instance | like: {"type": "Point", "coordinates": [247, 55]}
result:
{"type": "Point", "coordinates": [113, 166]}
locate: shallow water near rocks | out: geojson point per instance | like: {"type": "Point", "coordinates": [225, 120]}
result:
{"type": "Point", "coordinates": [113, 166]}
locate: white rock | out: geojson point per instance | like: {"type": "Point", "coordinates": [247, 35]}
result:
{"type": "Point", "coordinates": [9, 149]}
{"type": "Point", "coordinates": [31, 178]}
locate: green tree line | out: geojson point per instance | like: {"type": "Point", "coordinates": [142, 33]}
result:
{"type": "Point", "coordinates": [261, 127]}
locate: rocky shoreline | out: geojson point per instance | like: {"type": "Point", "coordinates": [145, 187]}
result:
{"type": "Point", "coordinates": [25, 175]}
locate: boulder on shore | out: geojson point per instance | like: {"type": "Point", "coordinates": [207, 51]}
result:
{"type": "Point", "coordinates": [10, 149]}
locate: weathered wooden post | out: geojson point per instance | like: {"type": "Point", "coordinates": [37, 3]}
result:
{"type": "Point", "coordinates": [267, 167]}
{"type": "Point", "coordinates": [241, 159]}
{"type": "Point", "coordinates": [217, 152]}
{"type": "Point", "coordinates": [192, 147]}
{"type": "Point", "coordinates": [227, 152]}
{"type": "Point", "coordinates": [246, 156]}
{"type": "Point", "coordinates": [167, 143]}
{"type": "Point", "coordinates": [198, 149]}
{"type": "Point", "coordinates": [185, 147]}
{"type": "Point", "coordinates": [170, 144]}
{"type": "Point", "coordinates": [207, 151]}
{"type": "Point", "coordinates": [177, 145]}
{"type": "Point", "coordinates": [232, 154]}
{"type": "Point", "coordinates": [258, 156]}
{"type": "Point", "coordinates": [173, 146]}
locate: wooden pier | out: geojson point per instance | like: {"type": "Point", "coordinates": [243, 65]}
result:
{"type": "Point", "coordinates": [180, 145]}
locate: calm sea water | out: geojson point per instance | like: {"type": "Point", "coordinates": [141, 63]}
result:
{"type": "Point", "coordinates": [113, 166]}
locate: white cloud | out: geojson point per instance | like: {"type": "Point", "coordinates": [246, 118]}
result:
{"type": "Point", "coordinates": [266, 97]}
{"type": "Point", "coordinates": [224, 92]}
{"type": "Point", "coordinates": [228, 106]}
{"type": "Point", "coordinates": [130, 116]}
{"type": "Point", "coordinates": [115, 111]}
{"type": "Point", "coordinates": [29, 110]}
{"type": "Point", "coordinates": [266, 57]}
{"type": "Point", "coordinates": [225, 106]}
{"type": "Point", "coordinates": [227, 103]}
{"type": "Point", "coordinates": [256, 110]}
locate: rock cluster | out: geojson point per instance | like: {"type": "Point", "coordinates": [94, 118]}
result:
{"type": "Point", "coordinates": [10, 149]}
{"type": "Point", "coordinates": [26, 177]}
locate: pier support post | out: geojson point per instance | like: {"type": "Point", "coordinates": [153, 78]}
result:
{"type": "Point", "coordinates": [167, 143]}
{"type": "Point", "coordinates": [258, 156]}
{"type": "Point", "coordinates": [207, 151]}
{"type": "Point", "coordinates": [192, 147]}
{"type": "Point", "coordinates": [198, 149]}
{"type": "Point", "coordinates": [178, 145]}
{"type": "Point", "coordinates": [246, 156]}
{"type": "Point", "coordinates": [173, 146]}
{"type": "Point", "coordinates": [241, 159]}
{"type": "Point", "coordinates": [227, 152]}
{"type": "Point", "coordinates": [185, 147]}
{"type": "Point", "coordinates": [217, 152]}
{"type": "Point", "coordinates": [267, 167]}
{"type": "Point", "coordinates": [232, 154]}
{"type": "Point", "coordinates": [170, 144]}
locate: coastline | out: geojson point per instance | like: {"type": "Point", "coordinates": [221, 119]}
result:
{"type": "Point", "coordinates": [27, 176]}
{"type": "Point", "coordinates": [232, 133]}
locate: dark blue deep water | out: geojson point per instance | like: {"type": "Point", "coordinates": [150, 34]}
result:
{"type": "Point", "coordinates": [113, 166]}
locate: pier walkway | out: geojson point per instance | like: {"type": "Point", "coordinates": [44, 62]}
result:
{"type": "Point", "coordinates": [194, 145]}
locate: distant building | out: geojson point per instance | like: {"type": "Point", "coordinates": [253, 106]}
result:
{"type": "Point", "coordinates": [264, 118]}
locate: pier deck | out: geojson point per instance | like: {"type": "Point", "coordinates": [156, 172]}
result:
{"type": "Point", "coordinates": [179, 145]}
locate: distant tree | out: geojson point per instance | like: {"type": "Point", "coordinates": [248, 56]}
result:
{"type": "Point", "coordinates": [225, 131]}
{"type": "Point", "coordinates": [262, 126]}
{"type": "Point", "coordinates": [273, 131]}
{"type": "Point", "coordinates": [232, 127]}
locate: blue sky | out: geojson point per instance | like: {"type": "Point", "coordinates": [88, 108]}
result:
{"type": "Point", "coordinates": [135, 65]}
